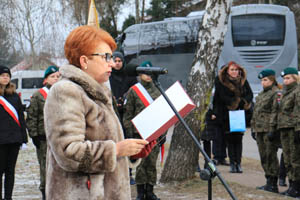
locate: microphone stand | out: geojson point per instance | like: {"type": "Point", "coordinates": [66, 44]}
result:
{"type": "Point", "coordinates": [211, 171]}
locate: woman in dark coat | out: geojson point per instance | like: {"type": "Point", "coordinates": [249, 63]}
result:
{"type": "Point", "coordinates": [12, 131]}
{"type": "Point", "coordinates": [232, 92]}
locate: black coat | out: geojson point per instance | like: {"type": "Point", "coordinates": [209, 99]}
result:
{"type": "Point", "coordinates": [225, 99]}
{"type": "Point", "coordinates": [120, 83]}
{"type": "Point", "coordinates": [10, 131]}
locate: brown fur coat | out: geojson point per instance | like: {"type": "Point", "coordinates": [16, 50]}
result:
{"type": "Point", "coordinates": [82, 130]}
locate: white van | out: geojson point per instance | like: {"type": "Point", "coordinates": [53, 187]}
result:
{"type": "Point", "coordinates": [27, 82]}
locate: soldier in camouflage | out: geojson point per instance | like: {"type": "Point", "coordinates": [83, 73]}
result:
{"type": "Point", "coordinates": [146, 172]}
{"type": "Point", "coordinates": [288, 125]}
{"type": "Point", "coordinates": [35, 121]}
{"type": "Point", "coordinates": [263, 126]}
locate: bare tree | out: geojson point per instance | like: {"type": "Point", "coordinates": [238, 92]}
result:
{"type": "Point", "coordinates": [183, 154]}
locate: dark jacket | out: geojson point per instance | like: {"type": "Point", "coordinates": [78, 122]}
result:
{"type": "Point", "coordinates": [230, 95]}
{"type": "Point", "coordinates": [120, 83]}
{"type": "Point", "coordinates": [10, 131]}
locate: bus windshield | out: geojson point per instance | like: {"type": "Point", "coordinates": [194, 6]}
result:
{"type": "Point", "coordinates": [258, 30]}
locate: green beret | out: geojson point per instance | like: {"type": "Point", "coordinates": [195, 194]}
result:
{"type": "Point", "coordinates": [50, 70]}
{"type": "Point", "coordinates": [289, 70]}
{"type": "Point", "coordinates": [266, 72]}
{"type": "Point", "coordinates": [146, 64]}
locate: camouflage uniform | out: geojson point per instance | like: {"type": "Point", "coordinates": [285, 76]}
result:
{"type": "Point", "coordinates": [35, 124]}
{"type": "Point", "coordinates": [146, 171]}
{"type": "Point", "coordinates": [264, 121]}
{"type": "Point", "coordinates": [288, 123]}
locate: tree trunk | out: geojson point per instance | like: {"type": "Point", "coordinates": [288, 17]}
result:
{"type": "Point", "coordinates": [137, 11]}
{"type": "Point", "coordinates": [183, 154]}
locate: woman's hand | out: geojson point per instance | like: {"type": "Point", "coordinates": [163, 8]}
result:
{"type": "Point", "coordinates": [129, 147]}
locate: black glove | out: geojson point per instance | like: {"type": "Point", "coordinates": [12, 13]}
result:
{"type": "Point", "coordinates": [253, 134]}
{"type": "Point", "coordinates": [36, 141]}
{"type": "Point", "coordinates": [297, 137]}
{"type": "Point", "coordinates": [271, 136]}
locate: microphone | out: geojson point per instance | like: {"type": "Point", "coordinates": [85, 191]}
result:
{"type": "Point", "coordinates": [134, 70]}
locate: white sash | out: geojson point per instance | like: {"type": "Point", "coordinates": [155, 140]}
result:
{"type": "Point", "coordinates": [9, 109]}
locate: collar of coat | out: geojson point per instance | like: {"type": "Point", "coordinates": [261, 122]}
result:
{"type": "Point", "coordinates": [90, 86]}
{"type": "Point", "coordinates": [223, 77]}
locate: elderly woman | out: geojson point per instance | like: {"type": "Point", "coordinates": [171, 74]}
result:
{"type": "Point", "coordinates": [232, 92]}
{"type": "Point", "coordinates": [289, 128]}
{"type": "Point", "coordinates": [87, 154]}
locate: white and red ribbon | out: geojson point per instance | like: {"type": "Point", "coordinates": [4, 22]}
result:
{"type": "Point", "coordinates": [143, 94]}
{"type": "Point", "coordinates": [9, 109]}
{"type": "Point", "coordinates": [147, 100]}
{"type": "Point", "coordinates": [44, 91]}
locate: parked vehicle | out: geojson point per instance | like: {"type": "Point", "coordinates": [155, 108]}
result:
{"type": "Point", "coordinates": [27, 82]}
{"type": "Point", "coordinates": [259, 36]}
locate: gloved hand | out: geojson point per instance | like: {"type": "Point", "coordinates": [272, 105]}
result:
{"type": "Point", "coordinates": [271, 136]}
{"type": "Point", "coordinates": [297, 137]}
{"type": "Point", "coordinates": [36, 141]}
{"type": "Point", "coordinates": [162, 140]}
{"type": "Point", "coordinates": [145, 151]}
{"type": "Point", "coordinates": [253, 134]}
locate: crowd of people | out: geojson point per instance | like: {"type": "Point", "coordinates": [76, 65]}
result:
{"type": "Point", "coordinates": [84, 136]}
{"type": "Point", "coordinates": [273, 120]}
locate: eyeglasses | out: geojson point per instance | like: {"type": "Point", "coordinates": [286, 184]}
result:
{"type": "Point", "coordinates": [108, 57]}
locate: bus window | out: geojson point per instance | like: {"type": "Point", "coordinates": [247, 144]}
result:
{"type": "Point", "coordinates": [15, 81]}
{"type": "Point", "coordinates": [258, 30]}
{"type": "Point", "coordinates": [28, 83]}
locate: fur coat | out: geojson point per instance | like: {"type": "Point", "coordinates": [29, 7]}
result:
{"type": "Point", "coordinates": [231, 95]}
{"type": "Point", "coordinates": [82, 130]}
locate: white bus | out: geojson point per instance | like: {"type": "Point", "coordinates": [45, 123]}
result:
{"type": "Point", "coordinates": [27, 82]}
{"type": "Point", "coordinates": [259, 36]}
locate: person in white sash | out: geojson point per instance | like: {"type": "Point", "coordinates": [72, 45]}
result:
{"type": "Point", "coordinates": [140, 96]}
{"type": "Point", "coordinates": [12, 131]}
{"type": "Point", "coordinates": [35, 121]}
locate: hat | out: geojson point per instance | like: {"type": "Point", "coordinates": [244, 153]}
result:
{"type": "Point", "coordinates": [4, 69]}
{"type": "Point", "coordinates": [289, 70]}
{"type": "Point", "coordinates": [50, 70]}
{"type": "Point", "coordinates": [266, 72]}
{"type": "Point", "coordinates": [119, 55]}
{"type": "Point", "coordinates": [146, 64]}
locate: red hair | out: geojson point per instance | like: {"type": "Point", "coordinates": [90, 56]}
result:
{"type": "Point", "coordinates": [84, 40]}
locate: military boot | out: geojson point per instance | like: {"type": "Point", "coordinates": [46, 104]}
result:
{"type": "Point", "coordinates": [274, 187]}
{"type": "Point", "coordinates": [294, 191]}
{"type": "Point", "coordinates": [149, 193]}
{"type": "Point", "coordinates": [140, 192]}
{"type": "Point", "coordinates": [289, 188]}
{"type": "Point", "coordinates": [267, 185]}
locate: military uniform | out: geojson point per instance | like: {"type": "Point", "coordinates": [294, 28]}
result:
{"type": "Point", "coordinates": [263, 123]}
{"type": "Point", "coordinates": [146, 171]}
{"type": "Point", "coordinates": [35, 124]}
{"type": "Point", "coordinates": [288, 123]}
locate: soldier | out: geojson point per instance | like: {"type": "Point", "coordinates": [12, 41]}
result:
{"type": "Point", "coordinates": [35, 121]}
{"type": "Point", "coordinates": [263, 126]}
{"type": "Point", "coordinates": [146, 172]}
{"type": "Point", "coordinates": [288, 125]}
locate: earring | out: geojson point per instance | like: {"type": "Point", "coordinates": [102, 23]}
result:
{"type": "Point", "coordinates": [85, 67]}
